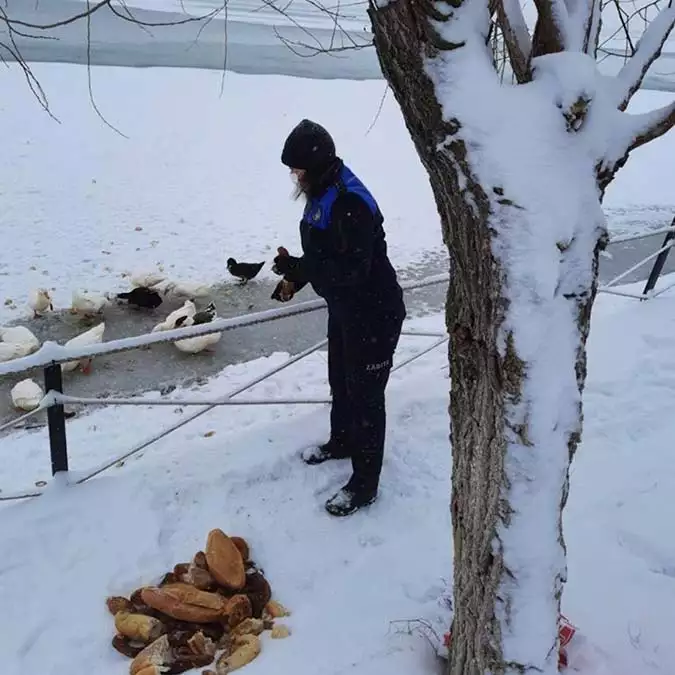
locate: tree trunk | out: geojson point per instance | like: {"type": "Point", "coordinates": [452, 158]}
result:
{"type": "Point", "coordinates": [486, 379]}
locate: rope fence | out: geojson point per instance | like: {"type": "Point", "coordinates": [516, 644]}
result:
{"type": "Point", "coordinates": [55, 399]}
{"type": "Point", "coordinates": [51, 355]}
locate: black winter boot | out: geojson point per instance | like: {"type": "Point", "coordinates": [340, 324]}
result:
{"type": "Point", "coordinates": [349, 500]}
{"type": "Point", "coordinates": [325, 452]}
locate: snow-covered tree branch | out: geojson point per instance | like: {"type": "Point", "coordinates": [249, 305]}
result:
{"type": "Point", "coordinates": [650, 126]}
{"type": "Point", "coordinates": [648, 49]}
{"type": "Point", "coordinates": [516, 36]}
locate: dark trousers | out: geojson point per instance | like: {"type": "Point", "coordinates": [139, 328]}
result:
{"type": "Point", "coordinates": [359, 363]}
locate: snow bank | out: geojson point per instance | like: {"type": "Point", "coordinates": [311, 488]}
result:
{"type": "Point", "coordinates": [123, 529]}
{"type": "Point", "coordinates": [239, 469]}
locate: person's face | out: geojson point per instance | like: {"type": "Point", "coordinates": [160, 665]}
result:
{"type": "Point", "coordinates": [297, 176]}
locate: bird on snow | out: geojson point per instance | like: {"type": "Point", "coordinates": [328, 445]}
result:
{"type": "Point", "coordinates": [147, 279]}
{"type": "Point", "coordinates": [188, 309]}
{"type": "Point", "coordinates": [22, 340]}
{"type": "Point", "coordinates": [26, 395]}
{"type": "Point", "coordinates": [205, 315]}
{"type": "Point", "coordinates": [40, 301]}
{"type": "Point", "coordinates": [9, 351]}
{"type": "Point", "coordinates": [142, 296]}
{"type": "Point", "coordinates": [88, 304]}
{"type": "Point", "coordinates": [198, 343]}
{"type": "Point", "coordinates": [184, 289]}
{"type": "Point", "coordinates": [242, 270]}
{"type": "Point", "coordinates": [90, 337]}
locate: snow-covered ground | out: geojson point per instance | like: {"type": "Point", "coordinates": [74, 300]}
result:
{"type": "Point", "coordinates": [238, 469]}
{"type": "Point", "coordinates": [199, 176]}
{"type": "Point", "coordinates": [199, 179]}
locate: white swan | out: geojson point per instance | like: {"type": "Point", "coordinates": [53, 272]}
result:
{"type": "Point", "coordinates": [26, 395]}
{"type": "Point", "coordinates": [22, 339]}
{"type": "Point", "coordinates": [90, 337]}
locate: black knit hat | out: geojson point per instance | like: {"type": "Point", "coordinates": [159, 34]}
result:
{"type": "Point", "coordinates": [309, 146]}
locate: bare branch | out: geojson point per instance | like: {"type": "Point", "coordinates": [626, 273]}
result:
{"type": "Point", "coordinates": [32, 81]}
{"type": "Point", "coordinates": [379, 109]}
{"type": "Point", "coordinates": [133, 18]}
{"type": "Point", "coordinates": [516, 37]}
{"type": "Point", "coordinates": [49, 26]}
{"type": "Point", "coordinates": [123, 12]}
{"type": "Point", "coordinates": [171, 22]}
{"type": "Point", "coordinates": [652, 125]}
{"type": "Point", "coordinates": [295, 46]}
{"type": "Point", "coordinates": [648, 49]}
{"type": "Point", "coordinates": [552, 28]}
{"type": "Point", "coordinates": [311, 50]}
{"type": "Point", "coordinates": [225, 51]}
{"type": "Point", "coordinates": [89, 83]}
{"type": "Point", "coordinates": [626, 19]}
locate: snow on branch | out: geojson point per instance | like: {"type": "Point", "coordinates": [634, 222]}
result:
{"type": "Point", "coordinates": [583, 25]}
{"type": "Point", "coordinates": [592, 26]}
{"type": "Point", "coordinates": [651, 125]}
{"type": "Point", "coordinates": [648, 49]}
{"type": "Point", "coordinates": [516, 36]}
{"type": "Point", "coordinates": [552, 30]}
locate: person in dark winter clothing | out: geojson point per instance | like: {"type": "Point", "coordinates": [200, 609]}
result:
{"type": "Point", "coordinates": [345, 261]}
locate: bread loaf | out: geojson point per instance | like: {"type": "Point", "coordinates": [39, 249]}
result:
{"type": "Point", "coordinates": [186, 603]}
{"type": "Point", "coordinates": [225, 561]}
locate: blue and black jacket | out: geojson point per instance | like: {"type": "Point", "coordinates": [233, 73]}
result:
{"type": "Point", "coordinates": [345, 252]}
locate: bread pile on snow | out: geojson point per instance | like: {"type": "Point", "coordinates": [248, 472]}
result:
{"type": "Point", "coordinates": [213, 611]}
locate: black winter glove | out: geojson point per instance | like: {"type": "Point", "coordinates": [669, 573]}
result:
{"type": "Point", "coordinates": [285, 265]}
{"type": "Point", "coordinates": [284, 291]}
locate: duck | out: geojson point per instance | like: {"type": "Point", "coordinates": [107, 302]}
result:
{"type": "Point", "coordinates": [147, 279]}
{"type": "Point", "coordinates": [26, 395]}
{"type": "Point", "coordinates": [40, 301]}
{"type": "Point", "coordinates": [9, 351]}
{"type": "Point", "coordinates": [90, 337]}
{"type": "Point", "coordinates": [199, 343]}
{"type": "Point", "coordinates": [21, 338]}
{"type": "Point", "coordinates": [188, 309]}
{"type": "Point", "coordinates": [162, 287]}
{"type": "Point", "coordinates": [142, 296]}
{"type": "Point", "coordinates": [186, 289]}
{"type": "Point", "coordinates": [88, 304]}
{"type": "Point", "coordinates": [242, 270]}
{"type": "Point", "coordinates": [205, 315]}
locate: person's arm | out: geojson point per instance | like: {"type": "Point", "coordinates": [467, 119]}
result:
{"type": "Point", "coordinates": [345, 252]}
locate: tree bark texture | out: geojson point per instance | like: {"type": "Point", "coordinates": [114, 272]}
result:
{"type": "Point", "coordinates": [473, 313]}
{"type": "Point", "coordinates": [483, 380]}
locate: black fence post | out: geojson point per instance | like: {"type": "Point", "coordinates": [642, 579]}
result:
{"type": "Point", "coordinates": [659, 263]}
{"type": "Point", "coordinates": [56, 421]}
